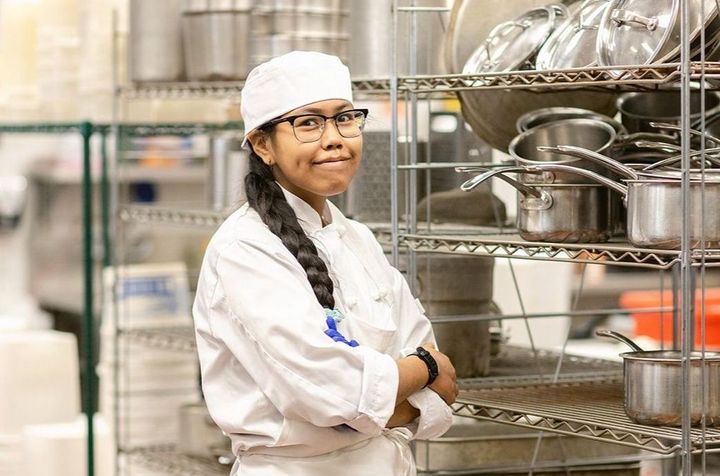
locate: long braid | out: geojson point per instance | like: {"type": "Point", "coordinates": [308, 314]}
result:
{"type": "Point", "coordinates": [267, 199]}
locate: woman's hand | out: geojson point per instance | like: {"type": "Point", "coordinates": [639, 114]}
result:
{"type": "Point", "coordinates": [445, 384]}
{"type": "Point", "coordinates": [413, 375]}
{"type": "Point", "coordinates": [404, 414]}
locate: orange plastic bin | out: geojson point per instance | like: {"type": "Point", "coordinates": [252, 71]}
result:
{"type": "Point", "coordinates": [649, 324]}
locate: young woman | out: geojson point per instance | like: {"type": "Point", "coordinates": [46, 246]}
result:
{"type": "Point", "coordinates": [316, 359]}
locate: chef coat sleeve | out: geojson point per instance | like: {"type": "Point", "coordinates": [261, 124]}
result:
{"type": "Point", "coordinates": [265, 312]}
{"type": "Point", "coordinates": [414, 329]}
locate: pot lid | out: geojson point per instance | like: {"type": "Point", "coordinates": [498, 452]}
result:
{"type": "Point", "coordinates": [572, 45]}
{"type": "Point", "coordinates": [635, 32]}
{"type": "Point", "coordinates": [511, 44]}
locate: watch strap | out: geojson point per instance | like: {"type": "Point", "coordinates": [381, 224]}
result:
{"type": "Point", "coordinates": [430, 362]}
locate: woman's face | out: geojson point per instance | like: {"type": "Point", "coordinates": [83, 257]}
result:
{"type": "Point", "coordinates": [312, 170]}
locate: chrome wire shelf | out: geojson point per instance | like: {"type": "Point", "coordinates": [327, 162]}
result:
{"type": "Point", "coordinates": [207, 219]}
{"type": "Point", "coordinates": [178, 338]}
{"type": "Point", "coordinates": [223, 89]}
{"type": "Point", "coordinates": [591, 410]}
{"type": "Point", "coordinates": [647, 77]}
{"type": "Point", "coordinates": [168, 460]}
{"type": "Point", "coordinates": [519, 366]}
{"type": "Point", "coordinates": [512, 246]}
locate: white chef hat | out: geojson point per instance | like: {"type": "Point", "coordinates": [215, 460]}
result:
{"type": "Point", "coordinates": [290, 81]}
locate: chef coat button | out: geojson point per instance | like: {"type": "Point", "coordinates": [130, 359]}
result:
{"type": "Point", "coordinates": [380, 294]}
{"type": "Point", "coordinates": [340, 230]}
{"type": "Point", "coordinates": [352, 302]}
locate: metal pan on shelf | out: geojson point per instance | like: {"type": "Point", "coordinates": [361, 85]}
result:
{"type": "Point", "coordinates": [552, 114]}
{"type": "Point", "coordinates": [654, 217]}
{"type": "Point", "coordinates": [556, 213]}
{"type": "Point", "coordinates": [588, 133]}
{"type": "Point", "coordinates": [640, 32]}
{"type": "Point", "coordinates": [653, 385]}
{"type": "Point", "coordinates": [572, 44]}
{"type": "Point", "coordinates": [512, 45]}
{"type": "Point", "coordinates": [472, 20]}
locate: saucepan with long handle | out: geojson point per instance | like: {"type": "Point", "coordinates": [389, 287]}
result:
{"type": "Point", "coordinates": [653, 385]}
{"type": "Point", "coordinates": [654, 215]}
{"type": "Point", "coordinates": [555, 212]}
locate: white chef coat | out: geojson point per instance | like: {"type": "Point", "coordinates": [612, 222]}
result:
{"type": "Point", "coordinates": [286, 394]}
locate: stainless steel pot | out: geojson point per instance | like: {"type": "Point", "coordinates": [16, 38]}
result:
{"type": "Point", "coordinates": [654, 217]}
{"type": "Point", "coordinates": [553, 114]}
{"type": "Point", "coordinates": [155, 52]}
{"type": "Point", "coordinates": [216, 39]}
{"type": "Point", "coordinates": [458, 286]}
{"type": "Point", "coordinates": [587, 133]}
{"type": "Point", "coordinates": [654, 390]}
{"type": "Point", "coordinates": [558, 213]}
{"type": "Point", "coordinates": [639, 109]}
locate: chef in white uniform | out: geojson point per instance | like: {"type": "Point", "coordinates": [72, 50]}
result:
{"type": "Point", "coordinates": [316, 359]}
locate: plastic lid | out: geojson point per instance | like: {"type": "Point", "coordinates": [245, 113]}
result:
{"type": "Point", "coordinates": [572, 45]}
{"type": "Point", "coordinates": [635, 32]}
{"type": "Point", "coordinates": [511, 44]}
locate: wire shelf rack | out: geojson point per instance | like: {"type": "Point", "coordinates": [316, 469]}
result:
{"type": "Point", "coordinates": [178, 338]}
{"type": "Point", "coordinates": [645, 77]}
{"type": "Point", "coordinates": [587, 409]}
{"type": "Point", "coordinates": [197, 218]}
{"type": "Point", "coordinates": [224, 89]}
{"type": "Point", "coordinates": [168, 460]}
{"type": "Point", "coordinates": [519, 366]}
{"type": "Point", "coordinates": [512, 246]}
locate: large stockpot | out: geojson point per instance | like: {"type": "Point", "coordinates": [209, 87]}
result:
{"type": "Point", "coordinates": [639, 109]}
{"type": "Point", "coordinates": [587, 133]}
{"type": "Point", "coordinates": [216, 39]}
{"type": "Point", "coordinates": [654, 389]}
{"type": "Point", "coordinates": [654, 216]}
{"type": "Point", "coordinates": [156, 41]}
{"type": "Point", "coordinates": [557, 213]}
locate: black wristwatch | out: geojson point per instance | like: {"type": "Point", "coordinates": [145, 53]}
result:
{"type": "Point", "coordinates": [432, 367]}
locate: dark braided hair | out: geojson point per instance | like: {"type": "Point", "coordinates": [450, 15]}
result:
{"type": "Point", "coordinates": [267, 199]}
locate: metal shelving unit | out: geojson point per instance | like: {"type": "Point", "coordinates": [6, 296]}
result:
{"type": "Point", "coordinates": [585, 397]}
{"type": "Point", "coordinates": [512, 246]}
{"type": "Point", "coordinates": [591, 409]}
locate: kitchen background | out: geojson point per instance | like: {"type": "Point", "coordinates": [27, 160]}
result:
{"type": "Point", "coordinates": [158, 83]}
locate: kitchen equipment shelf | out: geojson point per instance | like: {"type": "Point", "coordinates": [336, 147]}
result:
{"type": "Point", "coordinates": [177, 338]}
{"type": "Point", "coordinates": [588, 409]}
{"type": "Point", "coordinates": [646, 77]}
{"type": "Point", "coordinates": [197, 218]}
{"type": "Point", "coordinates": [633, 78]}
{"type": "Point", "coordinates": [512, 246]}
{"type": "Point", "coordinates": [168, 460]}
{"type": "Point", "coordinates": [223, 89]}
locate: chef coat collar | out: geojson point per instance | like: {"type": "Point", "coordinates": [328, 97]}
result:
{"type": "Point", "coordinates": [307, 216]}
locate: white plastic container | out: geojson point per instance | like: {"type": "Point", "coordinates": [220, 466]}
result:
{"type": "Point", "coordinates": [40, 379]}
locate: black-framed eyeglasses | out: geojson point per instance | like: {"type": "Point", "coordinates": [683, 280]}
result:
{"type": "Point", "coordinates": [310, 127]}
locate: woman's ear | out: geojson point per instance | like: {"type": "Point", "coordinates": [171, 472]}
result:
{"type": "Point", "coordinates": [262, 146]}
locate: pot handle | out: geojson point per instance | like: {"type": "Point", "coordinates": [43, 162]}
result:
{"type": "Point", "coordinates": [618, 337]}
{"type": "Point", "coordinates": [675, 127]}
{"type": "Point", "coordinates": [663, 146]}
{"type": "Point", "coordinates": [500, 173]}
{"type": "Point", "coordinates": [618, 187]}
{"type": "Point", "coordinates": [649, 136]}
{"type": "Point", "coordinates": [677, 158]}
{"type": "Point", "coordinates": [592, 156]}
